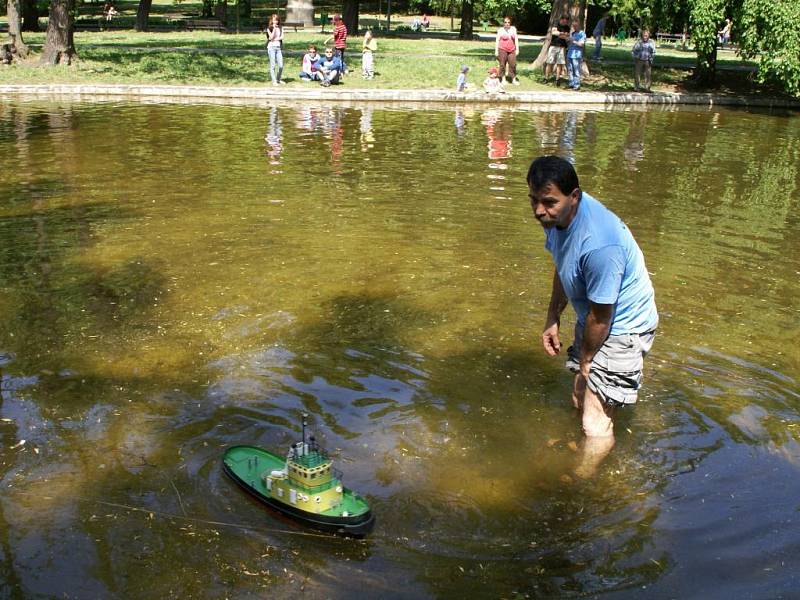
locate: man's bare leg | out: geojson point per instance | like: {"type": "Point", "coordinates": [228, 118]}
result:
{"type": "Point", "coordinates": [578, 390]}
{"type": "Point", "coordinates": [598, 426]}
{"type": "Point", "coordinates": [560, 73]}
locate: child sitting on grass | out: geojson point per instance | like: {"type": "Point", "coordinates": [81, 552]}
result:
{"type": "Point", "coordinates": [311, 61]}
{"type": "Point", "coordinates": [492, 84]}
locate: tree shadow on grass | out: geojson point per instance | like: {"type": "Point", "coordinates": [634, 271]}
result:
{"type": "Point", "coordinates": [181, 67]}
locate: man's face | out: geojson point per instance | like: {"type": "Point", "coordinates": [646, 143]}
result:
{"type": "Point", "coordinates": [563, 21]}
{"type": "Point", "coordinates": [552, 208]}
{"type": "Point", "coordinates": [646, 35]}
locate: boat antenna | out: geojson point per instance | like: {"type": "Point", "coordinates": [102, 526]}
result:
{"type": "Point", "coordinates": [305, 422]}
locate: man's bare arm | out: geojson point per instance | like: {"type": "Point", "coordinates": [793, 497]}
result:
{"type": "Point", "coordinates": [558, 302]}
{"type": "Point", "coordinates": [595, 333]}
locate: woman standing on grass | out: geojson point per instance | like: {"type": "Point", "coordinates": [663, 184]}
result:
{"type": "Point", "coordinates": [274, 49]}
{"type": "Point", "coordinates": [506, 50]}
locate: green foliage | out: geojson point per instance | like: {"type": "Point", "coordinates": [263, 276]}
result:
{"type": "Point", "coordinates": [636, 12]}
{"type": "Point", "coordinates": [768, 29]}
{"type": "Point", "coordinates": [704, 19]}
{"type": "Point", "coordinates": [656, 15]}
{"type": "Point", "coordinates": [493, 10]}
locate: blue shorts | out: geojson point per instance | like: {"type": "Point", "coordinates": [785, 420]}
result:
{"type": "Point", "coordinates": [616, 372]}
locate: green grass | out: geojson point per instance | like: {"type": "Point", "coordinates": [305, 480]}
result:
{"type": "Point", "coordinates": [210, 58]}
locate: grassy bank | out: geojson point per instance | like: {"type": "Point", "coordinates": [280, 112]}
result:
{"type": "Point", "coordinates": [210, 58]}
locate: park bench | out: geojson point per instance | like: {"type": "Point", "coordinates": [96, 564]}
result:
{"type": "Point", "coordinates": [204, 24]}
{"type": "Point", "coordinates": [673, 38]}
{"type": "Point", "coordinates": [87, 26]}
{"type": "Point", "coordinates": [98, 25]}
{"type": "Point", "coordinates": [295, 25]}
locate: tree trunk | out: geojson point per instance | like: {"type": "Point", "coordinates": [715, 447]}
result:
{"type": "Point", "coordinates": [703, 20]}
{"type": "Point", "coordinates": [706, 71]}
{"type": "Point", "coordinates": [560, 7]}
{"type": "Point", "coordinates": [59, 47]}
{"type": "Point", "coordinates": [14, 29]}
{"type": "Point", "coordinates": [467, 15]}
{"type": "Point", "coordinates": [577, 10]}
{"type": "Point", "coordinates": [143, 15]}
{"type": "Point", "coordinates": [350, 16]}
{"type": "Point", "coordinates": [30, 16]}
{"type": "Point", "coordinates": [221, 12]}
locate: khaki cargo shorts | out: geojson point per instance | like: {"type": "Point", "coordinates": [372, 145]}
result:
{"type": "Point", "coordinates": [556, 55]}
{"type": "Point", "coordinates": [616, 372]}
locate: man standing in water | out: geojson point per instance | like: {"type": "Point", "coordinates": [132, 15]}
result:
{"type": "Point", "coordinates": [600, 270]}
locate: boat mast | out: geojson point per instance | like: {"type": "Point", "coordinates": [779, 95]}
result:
{"type": "Point", "coordinates": [305, 418]}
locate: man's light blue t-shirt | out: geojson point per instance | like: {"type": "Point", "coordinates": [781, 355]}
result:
{"type": "Point", "coordinates": [598, 260]}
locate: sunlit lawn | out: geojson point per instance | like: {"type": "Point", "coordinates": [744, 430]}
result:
{"type": "Point", "coordinates": [211, 58]}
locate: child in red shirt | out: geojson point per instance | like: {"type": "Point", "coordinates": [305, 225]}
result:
{"type": "Point", "coordinates": [339, 39]}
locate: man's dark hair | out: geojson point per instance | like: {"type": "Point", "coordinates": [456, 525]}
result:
{"type": "Point", "coordinates": [553, 169]}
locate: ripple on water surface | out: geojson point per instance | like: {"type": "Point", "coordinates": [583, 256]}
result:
{"type": "Point", "coordinates": [178, 279]}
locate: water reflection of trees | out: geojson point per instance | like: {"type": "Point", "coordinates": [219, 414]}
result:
{"type": "Point", "coordinates": [444, 408]}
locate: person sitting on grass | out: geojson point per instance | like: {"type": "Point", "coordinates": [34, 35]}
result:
{"type": "Point", "coordinates": [492, 84]}
{"type": "Point", "coordinates": [426, 22]}
{"type": "Point", "coordinates": [311, 61]}
{"type": "Point", "coordinates": [330, 67]}
{"type": "Point", "coordinates": [461, 82]}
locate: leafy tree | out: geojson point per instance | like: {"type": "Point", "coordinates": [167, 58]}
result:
{"type": "Point", "coordinates": [484, 10]}
{"type": "Point", "coordinates": [704, 20]}
{"type": "Point", "coordinates": [574, 9]}
{"type": "Point", "coordinates": [768, 29]}
{"type": "Point", "coordinates": [701, 18]}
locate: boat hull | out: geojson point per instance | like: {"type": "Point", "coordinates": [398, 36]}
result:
{"type": "Point", "coordinates": [353, 525]}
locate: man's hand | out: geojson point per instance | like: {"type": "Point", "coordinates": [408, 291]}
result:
{"type": "Point", "coordinates": [550, 340]}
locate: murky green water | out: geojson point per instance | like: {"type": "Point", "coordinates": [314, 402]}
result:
{"type": "Point", "coordinates": [176, 279]}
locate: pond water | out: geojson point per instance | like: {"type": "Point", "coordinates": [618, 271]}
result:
{"type": "Point", "coordinates": [180, 278]}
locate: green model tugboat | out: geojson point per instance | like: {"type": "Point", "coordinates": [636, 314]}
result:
{"type": "Point", "coordinates": [303, 485]}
